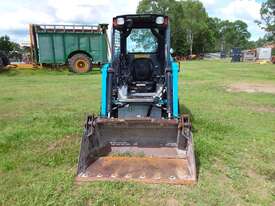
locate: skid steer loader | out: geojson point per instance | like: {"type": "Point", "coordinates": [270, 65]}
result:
{"type": "Point", "coordinates": [139, 135]}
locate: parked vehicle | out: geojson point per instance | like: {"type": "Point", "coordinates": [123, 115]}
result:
{"type": "Point", "coordinates": [236, 55]}
{"type": "Point", "coordinates": [249, 55]}
{"type": "Point", "coordinates": [79, 46]}
{"type": "Point", "coordinates": [140, 134]}
{"type": "Point", "coordinates": [264, 54]}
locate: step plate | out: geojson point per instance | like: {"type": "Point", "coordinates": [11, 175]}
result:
{"type": "Point", "coordinates": [140, 169]}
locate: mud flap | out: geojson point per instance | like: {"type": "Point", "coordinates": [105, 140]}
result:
{"type": "Point", "coordinates": [141, 149]}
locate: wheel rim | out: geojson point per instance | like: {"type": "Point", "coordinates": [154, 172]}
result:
{"type": "Point", "coordinates": [81, 65]}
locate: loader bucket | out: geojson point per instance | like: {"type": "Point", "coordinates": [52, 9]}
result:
{"type": "Point", "coordinates": [141, 149]}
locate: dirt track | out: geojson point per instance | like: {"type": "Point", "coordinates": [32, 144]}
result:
{"type": "Point", "coordinates": [252, 88]}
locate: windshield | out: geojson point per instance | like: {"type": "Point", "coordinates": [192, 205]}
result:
{"type": "Point", "coordinates": [142, 41]}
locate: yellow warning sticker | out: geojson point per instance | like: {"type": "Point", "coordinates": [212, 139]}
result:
{"type": "Point", "coordinates": [139, 56]}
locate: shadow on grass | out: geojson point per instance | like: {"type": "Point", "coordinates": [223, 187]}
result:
{"type": "Point", "coordinates": [45, 70]}
{"type": "Point", "coordinates": [9, 72]}
{"type": "Point", "coordinates": [94, 71]}
{"type": "Point", "coordinates": [186, 110]}
{"type": "Point", "coordinates": [4, 70]}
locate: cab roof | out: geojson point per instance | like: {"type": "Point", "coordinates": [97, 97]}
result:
{"type": "Point", "coordinates": [140, 21]}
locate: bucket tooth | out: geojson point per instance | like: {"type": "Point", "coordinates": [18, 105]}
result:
{"type": "Point", "coordinates": [142, 149]}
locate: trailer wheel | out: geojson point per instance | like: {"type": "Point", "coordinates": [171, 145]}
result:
{"type": "Point", "coordinates": [80, 63]}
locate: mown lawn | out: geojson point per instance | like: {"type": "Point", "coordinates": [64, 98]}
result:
{"type": "Point", "coordinates": [42, 114]}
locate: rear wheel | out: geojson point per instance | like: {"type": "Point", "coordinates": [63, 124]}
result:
{"type": "Point", "coordinates": [80, 63]}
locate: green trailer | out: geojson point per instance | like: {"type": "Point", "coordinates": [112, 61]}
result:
{"type": "Point", "coordinates": [81, 47]}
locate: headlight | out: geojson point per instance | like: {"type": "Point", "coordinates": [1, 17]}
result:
{"type": "Point", "coordinates": [160, 20]}
{"type": "Point", "coordinates": [120, 21]}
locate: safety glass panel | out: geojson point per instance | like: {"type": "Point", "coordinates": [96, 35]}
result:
{"type": "Point", "coordinates": [142, 41]}
{"type": "Point", "coordinates": [116, 43]}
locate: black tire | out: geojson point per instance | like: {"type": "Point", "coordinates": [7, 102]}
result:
{"type": "Point", "coordinates": [80, 63]}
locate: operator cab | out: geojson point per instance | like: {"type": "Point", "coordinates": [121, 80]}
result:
{"type": "Point", "coordinates": [140, 54]}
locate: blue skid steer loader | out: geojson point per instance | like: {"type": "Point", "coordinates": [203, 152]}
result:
{"type": "Point", "coordinates": [140, 134]}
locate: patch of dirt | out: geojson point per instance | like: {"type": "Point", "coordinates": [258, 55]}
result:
{"type": "Point", "coordinates": [252, 88]}
{"type": "Point", "coordinates": [264, 109]}
{"type": "Point", "coordinates": [172, 202]}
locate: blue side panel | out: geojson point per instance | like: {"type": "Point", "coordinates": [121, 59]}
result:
{"type": "Point", "coordinates": [104, 72]}
{"type": "Point", "coordinates": [175, 70]}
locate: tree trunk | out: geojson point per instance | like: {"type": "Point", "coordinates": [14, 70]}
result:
{"type": "Point", "coordinates": [191, 44]}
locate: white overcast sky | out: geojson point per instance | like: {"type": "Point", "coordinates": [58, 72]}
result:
{"type": "Point", "coordinates": [17, 14]}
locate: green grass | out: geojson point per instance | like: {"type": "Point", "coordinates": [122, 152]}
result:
{"type": "Point", "coordinates": [41, 119]}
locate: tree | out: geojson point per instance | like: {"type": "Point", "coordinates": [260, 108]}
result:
{"type": "Point", "coordinates": [233, 34]}
{"type": "Point", "coordinates": [212, 36]}
{"type": "Point", "coordinates": [261, 42]}
{"type": "Point", "coordinates": [192, 31]}
{"type": "Point", "coordinates": [7, 45]}
{"type": "Point", "coordinates": [155, 6]}
{"type": "Point", "coordinates": [241, 34]}
{"type": "Point", "coordinates": [194, 20]}
{"type": "Point", "coordinates": [188, 20]}
{"type": "Point", "coordinates": [268, 17]}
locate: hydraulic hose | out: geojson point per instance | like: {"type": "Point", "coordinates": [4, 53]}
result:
{"type": "Point", "coordinates": [109, 92]}
{"type": "Point", "coordinates": [169, 93]}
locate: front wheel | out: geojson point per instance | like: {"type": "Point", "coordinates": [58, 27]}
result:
{"type": "Point", "coordinates": [80, 63]}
